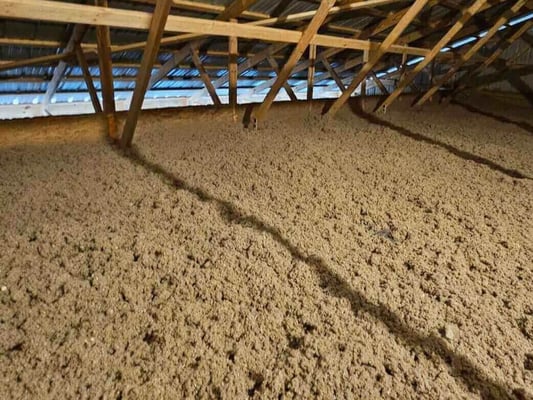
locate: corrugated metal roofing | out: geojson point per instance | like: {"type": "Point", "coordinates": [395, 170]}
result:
{"type": "Point", "coordinates": [185, 77]}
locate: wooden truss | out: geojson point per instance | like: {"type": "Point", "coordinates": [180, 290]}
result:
{"type": "Point", "coordinates": [310, 47]}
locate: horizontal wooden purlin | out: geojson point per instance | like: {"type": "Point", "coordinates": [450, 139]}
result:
{"type": "Point", "coordinates": [334, 10]}
{"type": "Point", "coordinates": [8, 41]}
{"type": "Point", "coordinates": [34, 61]}
{"type": "Point", "coordinates": [199, 6]}
{"type": "Point", "coordinates": [55, 11]}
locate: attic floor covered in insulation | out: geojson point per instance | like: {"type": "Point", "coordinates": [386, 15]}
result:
{"type": "Point", "coordinates": [373, 256]}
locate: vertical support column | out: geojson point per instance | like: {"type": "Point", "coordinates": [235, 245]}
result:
{"type": "Point", "coordinates": [103, 41]}
{"type": "Point", "coordinates": [233, 54]}
{"type": "Point", "coordinates": [82, 62]}
{"type": "Point", "coordinates": [311, 72]}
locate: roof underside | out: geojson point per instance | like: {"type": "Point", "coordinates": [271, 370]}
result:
{"type": "Point", "coordinates": [25, 40]}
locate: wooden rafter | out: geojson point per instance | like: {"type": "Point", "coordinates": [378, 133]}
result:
{"type": "Point", "coordinates": [157, 26]}
{"type": "Point", "coordinates": [356, 61]}
{"type": "Point", "coordinates": [275, 66]}
{"type": "Point", "coordinates": [467, 13]}
{"type": "Point", "coordinates": [375, 56]}
{"type": "Point", "coordinates": [505, 43]}
{"type": "Point", "coordinates": [378, 83]}
{"type": "Point", "coordinates": [301, 46]}
{"type": "Point", "coordinates": [77, 13]}
{"type": "Point", "coordinates": [76, 37]}
{"type": "Point", "coordinates": [472, 50]}
{"type": "Point", "coordinates": [82, 62]}
{"type": "Point", "coordinates": [236, 8]}
{"type": "Point", "coordinates": [251, 62]}
{"type": "Point", "coordinates": [204, 76]}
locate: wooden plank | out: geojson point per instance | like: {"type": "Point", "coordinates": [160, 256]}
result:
{"type": "Point", "coordinates": [389, 22]}
{"type": "Point", "coordinates": [233, 49]}
{"type": "Point", "coordinates": [236, 8]}
{"type": "Point", "coordinates": [505, 43]}
{"type": "Point", "coordinates": [378, 83]}
{"type": "Point", "coordinates": [204, 76]}
{"type": "Point", "coordinates": [306, 38]}
{"type": "Point", "coordinates": [274, 64]}
{"type": "Point", "coordinates": [468, 12]}
{"type": "Point", "coordinates": [311, 72]}
{"type": "Point", "coordinates": [157, 26]}
{"type": "Point", "coordinates": [472, 51]}
{"type": "Point", "coordinates": [46, 10]}
{"type": "Point", "coordinates": [103, 41]}
{"type": "Point", "coordinates": [245, 65]}
{"type": "Point", "coordinates": [376, 55]}
{"type": "Point", "coordinates": [59, 71]}
{"type": "Point", "coordinates": [306, 15]}
{"type": "Point", "coordinates": [333, 74]}
{"type": "Point", "coordinates": [43, 60]}
{"type": "Point", "coordinates": [82, 62]}
{"type": "Point", "coordinates": [366, 58]}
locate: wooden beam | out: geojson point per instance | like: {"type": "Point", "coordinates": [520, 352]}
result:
{"type": "Point", "coordinates": [274, 64]}
{"type": "Point", "coordinates": [157, 26]}
{"type": "Point", "coordinates": [467, 13]}
{"type": "Point", "coordinates": [366, 58]}
{"type": "Point", "coordinates": [376, 56]}
{"type": "Point", "coordinates": [82, 62]}
{"type": "Point", "coordinates": [203, 7]}
{"type": "Point", "coordinates": [504, 44]}
{"type": "Point", "coordinates": [43, 60]}
{"type": "Point", "coordinates": [236, 8]}
{"type": "Point", "coordinates": [103, 41]}
{"type": "Point", "coordinates": [13, 41]}
{"type": "Point", "coordinates": [378, 83]}
{"type": "Point", "coordinates": [388, 23]}
{"type": "Point", "coordinates": [46, 10]}
{"type": "Point", "coordinates": [59, 71]}
{"type": "Point", "coordinates": [245, 65]}
{"type": "Point", "coordinates": [311, 72]}
{"type": "Point", "coordinates": [305, 40]}
{"type": "Point", "coordinates": [472, 50]}
{"type": "Point", "coordinates": [306, 15]}
{"type": "Point", "coordinates": [204, 76]}
{"type": "Point", "coordinates": [333, 74]}
{"type": "Point", "coordinates": [233, 49]}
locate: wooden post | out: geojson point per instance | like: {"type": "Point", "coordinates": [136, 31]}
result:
{"type": "Point", "coordinates": [311, 72]}
{"type": "Point", "coordinates": [245, 65]}
{"type": "Point", "coordinates": [366, 57]}
{"type": "Point", "coordinates": [296, 54]}
{"type": "Point", "coordinates": [82, 62]}
{"type": "Point", "coordinates": [233, 50]}
{"type": "Point", "coordinates": [103, 41]}
{"type": "Point", "coordinates": [376, 56]}
{"type": "Point", "coordinates": [157, 26]}
{"type": "Point", "coordinates": [472, 51]}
